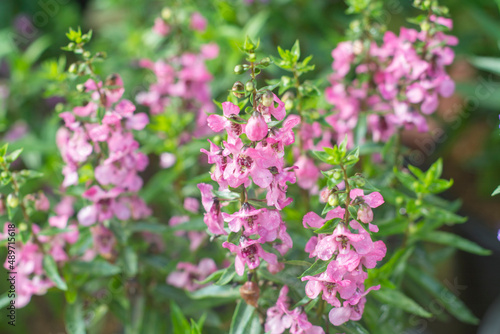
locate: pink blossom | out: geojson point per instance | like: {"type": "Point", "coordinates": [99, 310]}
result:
{"type": "Point", "coordinates": [280, 317]}
{"type": "Point", "coordinates": [191, 204]}
{"type": "Point", "coordinates": [198, 22]}
{"type": "Point", "coordinates": [213, 217]}
{"type": "Point", "coordinates": [187, 274]}
{"type": "Point", "coordinates": [160, 27]}
{"type": "Point", "coordinates": [167, 160]}
{"type": "Point", "coordinates": [256, 128]}
{"type": "Point", "coordinates": [249, 252]}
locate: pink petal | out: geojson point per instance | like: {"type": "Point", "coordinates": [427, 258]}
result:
{"type": "Point", "coordinates": [313, 220]}
{"type": "Point", "coordinates": [339, 315]}
{"type": "Point", "coordinates": [229, 109]}
{"type": "Point", "coordinates": [374, 199]}
{"type": "Point", "coordinates": [216, 122]}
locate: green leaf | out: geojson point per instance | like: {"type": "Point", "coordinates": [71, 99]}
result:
{"type": "Point", "coordinates": [496, 191]}
{"type": "Point", "coordinates": [298, 263]}
{"type": "Point", "coordinates": [227, 276]}
{"type": "Point", "coordinates": [323, 156]}
{"type": "Point", "coordinates": [353, 327]}
{"type": "Point", "coordinates": [130, 261]}
{"type": "Point", "coordinates": [13, 156]}
{"type": "Point", "coordinates": [50, 267]}
{"type": "Point", "coordinates": [296, 50]}
{"type": "Point", "coordinates": [4, 300]}
{"type": "Point", "coordinates": [449, 239]}
{"type": "Point", "coordinates": [490, 64]}
{"type": "Point", "coordinates": [234, 237]}
{"type": "Point", "coordinates": [212, 277]}
{"type": "Point", "coordinates": [444, 296]}
{"type": "Point", "coordinates": [75, 323]}
{"type": "Point", "coordinates": [317, 268]}
{"type": "Point", "coordinates": [95, 268]}
{"type": "Point", "coordinates": [3, 150]}
{"type": "Point", "coordinates": [215, 291]}
{"type": "Point", "coordinates": [399, 300]}
{"type": "Point", "coordinates": [435, 171]}
{"type": "Point", "coordinates": [406, 179]}
{"type": "Point", "coordinates": [148, 227]}
{"type": "Point", "coordinates": [226, 194]}
{"type": "Point", "coordinates": [329, 226]}
{"type": "Point", "coordinates": [195, 329]}
{"type": "Point", "coordinates": [179, 322]}
{"type": "Point", "coordinates": [54, 231]}
{"type": "Point", "coordinates": [243, 320]}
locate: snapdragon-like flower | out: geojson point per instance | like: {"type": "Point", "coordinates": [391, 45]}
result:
{"type": "Point", "coordinates": [280, 318]}
{"type": "Point", "coordinates": [187, 274]}
{"type": "Point", "coordinates": [350, 250]}
{"type": "Point", "coordinates": [406, 74]}
{"type": "Point", "coordinates": [117, 172]}
{"type": "Point", "coordinates": [182, 77]}
{"type": "Point", "coordinates": [239, 164]}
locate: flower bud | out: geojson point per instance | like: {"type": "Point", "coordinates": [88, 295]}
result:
{"type": "Point", "coordinates": [166, 13]}
{"type": "Point", "coordinates": [238, 69]}
{"type": "Point", "coordinates": [12, 201]}
{"type": "Point", "coordinates": [73, 69]}
{"type": "Point", "coordinates": [237, 89]}
{"type": "Point", "coordinates": [357, 47]}
{"type": "Point", "coordinates": [87, 54]}
{"type": "Point", "coordinates": [337, 175]}
{"type": "Point", "coordinates": [360, 182]}
{"type": "Point", "coordinates": [249, 86]}
{"type": "Point", "coordinates": [267, 98]}
{"type": "Point", "coordinates": [256, 128]}
{"type": "Point", "coordinates": [333, 200]}
{"type": "Point", "coordinates": [265, 61]}
{"type": "Point", "coordinates": [251, 57]}
{"type": "Point", "coordinates": [250, 293]}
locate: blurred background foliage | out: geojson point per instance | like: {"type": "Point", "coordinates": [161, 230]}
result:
{"type": "Point", "coordinates": [465, 130]}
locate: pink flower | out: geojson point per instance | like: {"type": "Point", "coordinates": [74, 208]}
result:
{"type": "Point", "coordinates": [167, 160]}
{"type": "Point", "coordinates": [315, 221]}
{"type": "Point", "coordinates": [42, 202]}
{"type": "Point", "coordinates": [210, 51]}
{"type": "Point", "coordinates": [256, 128]}
{"type": "Point", "coordinates": [213, 217]}
{"type": "Point", "coordinates": [160, 27]}
{"type": "Point", "coordinates": [191, 204]}
{"type": "Point", "coordinates": [307, 173]}
{"type": "Point", "coordinates": [352, 309]}
{"type": "Point", "coordinates": [246, 162]}
{"type": "Point", "coordinates": [330, 283]}
{"type": "Point", "coordinates": [198, 22]}
{"type": "Point", "coordinates": [280, 317]}
{"type": "Point", "coordinates": [366, 203]}
{"type": "Point", "coordinates": [218, 123]}
{"type": "Point", "coordinates": [187, 274]}
{"type": "Point", "coordinates": [249, 252]}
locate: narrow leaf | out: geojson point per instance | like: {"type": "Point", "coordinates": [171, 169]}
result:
{"type": "Point", "coordinates": [50, 267]}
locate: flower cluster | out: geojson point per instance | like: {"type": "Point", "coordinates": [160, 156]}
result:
{"type": "Point", "coordinates": [397, 81]}
{"type": "Point", "coordinates": [196, 238]}
{"type": "Point", "coordinates": [313, 137]}
{"type": "Point", "coordinates": [102, 130]}
{"type": "Point", "coordinates": [280, 317]}
{"type": "Point", "coordinates": [345, 275]}
{"type": "Point", "coordinates": [184, 77]}
{"type": "Point", "coordinates": [187, 274]}
{"type": "Point", "coordinates": [237, 165]}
